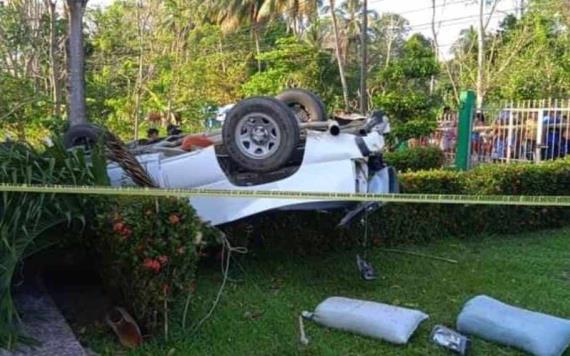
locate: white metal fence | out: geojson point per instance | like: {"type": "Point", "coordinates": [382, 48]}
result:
{"type": "Point", "coordinates": [523, 131]}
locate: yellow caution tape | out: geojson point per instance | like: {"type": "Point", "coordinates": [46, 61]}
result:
{"type": "Point", "coordinates": [526, 200]}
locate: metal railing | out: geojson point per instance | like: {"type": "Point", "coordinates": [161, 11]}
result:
{"type": "Point", "coordinates": [521, 131]}
{"type": "Point", "coordinates": [445, 136]}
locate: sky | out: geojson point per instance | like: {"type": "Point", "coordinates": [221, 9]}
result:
{"type": "Point", "coordinates": [452, 16]}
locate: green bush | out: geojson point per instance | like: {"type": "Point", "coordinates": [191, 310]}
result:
{"type": "Point", "coordinates": [395, 223]}
{"type": "Point", "coordinates": [424, 222]}
{"type": "Point", "coordinates": [415, 159]}
{"type": "Point", "coordinates": [149, 249]}
{"type": "Point", "coordinates": [26, 217]}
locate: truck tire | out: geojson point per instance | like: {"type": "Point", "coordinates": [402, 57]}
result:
{"type": "Point", "coordinates": [307, 106]}
{"type": "Point", "coordinates": [260, 134]}
{"type": "Point", "coordinates": [83, 135]}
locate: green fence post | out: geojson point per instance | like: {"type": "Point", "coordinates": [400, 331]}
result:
{"type": "Point", "coordinates": [464, 126]}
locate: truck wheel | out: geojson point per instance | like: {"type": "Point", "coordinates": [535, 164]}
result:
{"type": "Point", "coordinates": [83, 135]}
{"type": "Point", "coordinates": [307, 106]}
{"type": "Point", "coordinates": [260, 134]}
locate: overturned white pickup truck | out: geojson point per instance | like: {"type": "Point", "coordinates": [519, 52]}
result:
{"type": "Point", "coordinates": [271, 144]}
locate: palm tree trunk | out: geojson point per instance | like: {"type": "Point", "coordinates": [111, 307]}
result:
{"type": "Point", "coordinates": [77, 106]}
{"type": "Point", "coordinates": [339, 57]}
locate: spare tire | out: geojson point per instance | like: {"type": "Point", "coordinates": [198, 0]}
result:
{"type": "Point", "coordinates": [82, 135]}
{"type": "Point", "coordinates": [260, 134]}
{"type": "Point", "coordinates": [307, 106]}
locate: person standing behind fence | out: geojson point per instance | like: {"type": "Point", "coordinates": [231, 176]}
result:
{"type": "Point", "coordinates": [448, 127]}
{"type": "Point", "coordinates": [551, 124]}
{"type": "Point", "coordinates": [476, 138]}
{"type": "Point", "coordinates": [498, 137]}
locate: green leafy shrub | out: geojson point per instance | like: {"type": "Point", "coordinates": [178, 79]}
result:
{"type": "Point", "coordinates": [415, 159]}
{"type": "Point", "coordinates": [291, 63]}
{"type": "Point", "coordinates": [395, 223]}
{"type": "Point", "coordinates": [405, 87]}
{"type": "Point", "coordinates": [149, 248]}
{"type": "Point", "coordinates": [25, 217]}
{"type": "Point", "coordinates": [424, 222]}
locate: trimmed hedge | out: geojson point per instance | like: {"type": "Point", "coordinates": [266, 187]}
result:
{"type": "Point", "coordinates": [396, 223]}
{"type": "Point", "coordinates": [427, 222]}
{"type": "Point", "coordinates": [415, 159]}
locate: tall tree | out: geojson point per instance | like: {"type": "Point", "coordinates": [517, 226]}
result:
{"type": "Point", "coordinates": [405, 89]}
{"type": "Point", "coordinates": [24, 76]}
{"type": "Point", "coordinates": [295, 12]}
{"type": "Point", "coordinates": [338, 55]}
{"type": "Point", "coordinates": [389, 34]}
{"type": "Point", "coordinates": [446, 64]}
{"type": "Point", "coordinates": [55, 74]}
{"type": "Point", "coordinates": [233, 14]}
{"type": "Point", "coordinates": [364, 59]}
{"type": "Point", "coordinates": [352, 24]}
{"type": "Point", "coordinates": [77, 107]}
{"type": "Point", "coordinates": [483, 23]}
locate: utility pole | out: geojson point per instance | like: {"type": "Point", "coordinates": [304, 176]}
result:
{"type": "Point", "coordinates": [364, 59]}
{"type": "Point", "coordinates": [481, 53]}
{"type": "Point", "coordinates": [338, 56]}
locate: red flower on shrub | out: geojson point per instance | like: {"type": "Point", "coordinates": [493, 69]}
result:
{"type": "Point", "coordinates": [153, 265]}
{"type": "Point", "coordinates": [118, 226]}
{"type": "Point", "coordinates": [163, 259]}
{"type": "Point", "coordinates": [122, 229]}
{"type": "Point", "coordinates": [174, 219]}
{"type": "Point", "coordinates": [126, 232]}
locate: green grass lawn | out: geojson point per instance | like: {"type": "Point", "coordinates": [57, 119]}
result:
{"type": "Point", "coordinates": [258, 315]}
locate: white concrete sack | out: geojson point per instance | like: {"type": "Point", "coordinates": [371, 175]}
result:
{"type": "Point", "coordinates": [536, 333]}
{"type": "Point", "coordinates": [377, 320]}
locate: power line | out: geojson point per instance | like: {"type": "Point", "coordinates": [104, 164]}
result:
{"type": "Point", "coordinates": [487, 15]}
{"type": "Point", "coordinates": [442, 24]}
{"type": "Point", "coordinates": [418, 27]}
{"type": "Point", "coordinates": [444, 5]}
{"type": "Point", "coordinates": [264, 47]}
{"type": "Point", "coordinates": [446, 23]}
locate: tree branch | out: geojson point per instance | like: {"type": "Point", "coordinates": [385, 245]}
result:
{"type": "Point", "coordinates": [490, 14]}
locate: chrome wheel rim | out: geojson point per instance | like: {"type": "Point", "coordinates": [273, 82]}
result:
{"type": "Point", "coordinates": [257, 135]}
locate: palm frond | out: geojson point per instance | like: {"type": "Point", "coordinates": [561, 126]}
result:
{"type": "Point", "coordinates": [25, 217]}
